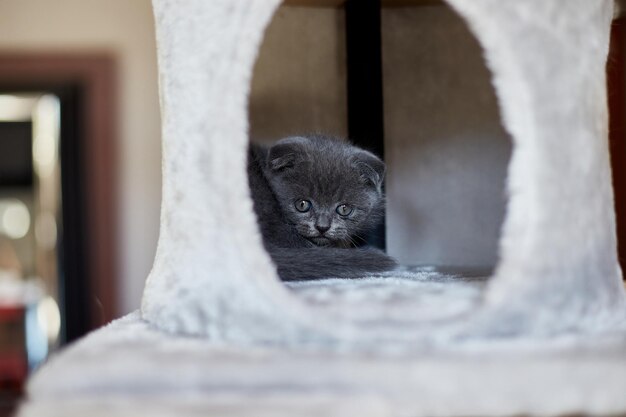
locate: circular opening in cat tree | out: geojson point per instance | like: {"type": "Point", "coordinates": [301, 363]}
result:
{"type": "Point", "coordinates": [445, 148]}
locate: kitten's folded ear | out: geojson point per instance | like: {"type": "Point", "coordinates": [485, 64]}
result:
{"type": "Point", "coordinates": [285, 153]}
{"type": "Point", "coordinates": [371, 168]}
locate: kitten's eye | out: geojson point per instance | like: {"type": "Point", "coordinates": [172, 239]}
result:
{"type": "Point", "coordinates": [344, 210]}
{"type": "Point", "coordinates": [303, 206]}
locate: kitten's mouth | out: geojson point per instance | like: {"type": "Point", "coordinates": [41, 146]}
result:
{"type": "Point", "coordinates": [320, 240]}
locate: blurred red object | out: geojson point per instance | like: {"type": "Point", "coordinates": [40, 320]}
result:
{"type": "Point", "coordinates": [13, 353]}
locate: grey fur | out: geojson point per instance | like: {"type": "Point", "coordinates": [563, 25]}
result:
{"type": "Point", "coordinates": [327, 172]}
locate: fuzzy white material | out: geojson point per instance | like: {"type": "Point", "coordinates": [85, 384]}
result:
{"type": "Point", "coordinates": [558, 264]}
{"type": "Point", "coordinates": [558, 269]}
{"type": "Point", "coordinates": [545, 336]}
{"type": "Point", "coordinates": [130, 368]}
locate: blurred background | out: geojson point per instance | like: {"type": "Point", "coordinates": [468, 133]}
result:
{"type": "Point", "coordinates": [80, 145]}
{"type": "Point", "coordinates": [79, 172]}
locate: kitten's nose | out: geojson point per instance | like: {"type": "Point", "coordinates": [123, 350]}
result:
{"type": "Point", "coordinates": [322, 228]}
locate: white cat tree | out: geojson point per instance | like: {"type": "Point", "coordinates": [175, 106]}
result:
{"type": "Point", "coordinates": [218, 333]}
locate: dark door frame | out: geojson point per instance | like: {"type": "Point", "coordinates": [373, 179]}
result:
{"type": "Point", "coordinates": [86, 84]}
{"type": "Point", "coordinates": [616, 80]}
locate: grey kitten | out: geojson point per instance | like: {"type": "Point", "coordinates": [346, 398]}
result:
{"type": "Point", "coordinates": [313, 196]}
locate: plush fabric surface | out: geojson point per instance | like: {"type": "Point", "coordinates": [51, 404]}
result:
{"type": "Point", "coordinates": [130, 368]}
{"type": "Point", "coordinates": [407, 297]}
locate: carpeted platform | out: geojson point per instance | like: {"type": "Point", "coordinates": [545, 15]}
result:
{"type": "Point", "coordinates": [406, 297]}
{"type": "Point", "coordinates": [129, 368]}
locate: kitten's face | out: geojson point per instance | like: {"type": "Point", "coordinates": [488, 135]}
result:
{"type": "Point", "coordinates": [329, 191]}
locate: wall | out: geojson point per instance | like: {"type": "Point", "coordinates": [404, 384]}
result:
{"type": "Point", "coordinates": [125, 29]}
{"type": "Point", "coordinates": [445, 147]}
{"type": "Point", "coordinates": [299, 82]}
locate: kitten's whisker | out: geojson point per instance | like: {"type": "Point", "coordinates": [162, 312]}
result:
{"type": "Point", "coordinates": [352, 241]}
{"type": "Point", "coordinates": [361, 238]}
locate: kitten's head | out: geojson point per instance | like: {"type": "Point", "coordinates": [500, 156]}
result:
{"type": "Point", "coordinates": [329, 190]}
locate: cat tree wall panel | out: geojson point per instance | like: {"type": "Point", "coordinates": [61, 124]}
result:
{"type": "Point", "coordinates": [558, 267]}
{"type": "Point", "coordinates": [210, 260]}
